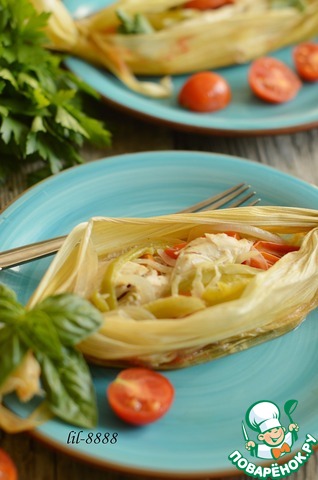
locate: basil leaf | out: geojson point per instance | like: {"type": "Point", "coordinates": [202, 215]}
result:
{"type": "Point", "coordinates": [12, 351]}
{"type": "Point", "coordinates": [69, 389]}
{"type": "Point", "coordinates": [39, 334]}
{"type": "Point", "coordinates": [73, 317]}
{"type": "Point", "coordinates": [10, 308]}
{"type": "Point", "coordinates": [56, 323]}
{"type": "Point", "coordinates": [7, 294]}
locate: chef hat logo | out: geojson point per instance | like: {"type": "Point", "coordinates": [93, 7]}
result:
{"type": "Point", "coordinates": [263, 416]}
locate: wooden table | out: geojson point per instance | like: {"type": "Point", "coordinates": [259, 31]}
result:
{"type": "Point", "coordinates": [295, 154]}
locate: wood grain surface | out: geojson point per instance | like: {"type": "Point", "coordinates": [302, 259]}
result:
{"type": "Point", "coordinates": [296, 154]}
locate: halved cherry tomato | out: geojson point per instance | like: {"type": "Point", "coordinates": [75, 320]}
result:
{"type": "Point", "coordinates": [207, 4]}
{"type": "Point", "coordinates": [273, 81]}
{"type": "Point", "coordinates": [140, 396]}
{"type": "Point", "coordinates": [306, 61]}
{"type": "Point", "coordinates": [205, 92]}
{"type": "Point", "coordinates": [174, 251]}
{"type": "Point", "coordinates": [8, 470]}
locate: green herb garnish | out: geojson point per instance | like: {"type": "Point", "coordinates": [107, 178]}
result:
{"type": "Point", "coordinates": [299, 4]}
{"type": "Point", "coordinates": [51, 330]}
{"type": "Point", "coordinates": [137, 24]}
{"type": "Point", "coordinates": [41, 104]}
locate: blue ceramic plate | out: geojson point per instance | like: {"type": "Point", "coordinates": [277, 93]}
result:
{"type": "Point", "coordinates": [204, 424]}
{"type": "Point", "coordinates": [245, 114]}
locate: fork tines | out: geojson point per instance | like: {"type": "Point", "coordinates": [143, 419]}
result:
{"type": "Point", "coordinates": [223, 199]}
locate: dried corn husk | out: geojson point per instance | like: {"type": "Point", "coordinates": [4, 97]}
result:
{"type": "Point", "coordinates": [184, 40]}
{"type": "Point", "coordinates": [274, 302]}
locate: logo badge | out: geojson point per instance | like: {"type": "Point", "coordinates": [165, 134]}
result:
{"type": "Point", "coordinates": [270, 440]}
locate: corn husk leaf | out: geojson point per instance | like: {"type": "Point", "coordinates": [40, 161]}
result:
{"type": "Point", "coordinates": [183, 40]}
{"type": "Point", "coordinates": [274, 302]}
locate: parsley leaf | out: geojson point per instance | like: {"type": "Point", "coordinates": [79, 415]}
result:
{"type": "Point", "coordinates": [41, 104]}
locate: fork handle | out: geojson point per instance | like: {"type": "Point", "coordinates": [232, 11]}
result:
{"type": "Point", "coordinates": [19, 255]}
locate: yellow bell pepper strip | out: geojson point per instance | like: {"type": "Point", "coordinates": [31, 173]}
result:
{"type": "Point", "coordinates": [174, 306]}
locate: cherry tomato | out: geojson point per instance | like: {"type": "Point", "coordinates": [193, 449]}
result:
{"type": "Point", "coordinates": [140, 396]}
{"type": "Point", "coordinates": [207, 4]}
{"type": "Point", "coordinates": [8, 470]}
{"type": "Point", "coordinates": [306, 61]}
{"type": "Point", "coordinates": [205, 92]}
{"type": "Point", "coordinates": [273, 81]}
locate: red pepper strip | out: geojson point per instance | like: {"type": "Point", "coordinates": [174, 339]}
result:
{"type": "Point", "coordinates": [270, 253]}
{"type": "Point", "coordinates": [174, 251]}
{"type": "Point", "coordinates": [279, 249]}
{"type": "Point", "coordinates": [207, 4]}
{"type": "Point", "coordinates": [270, 258]}
{"type": "Point", "coordinates": [257, 262]}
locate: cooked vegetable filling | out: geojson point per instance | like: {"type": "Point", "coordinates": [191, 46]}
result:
{"type": "Point", "coordinates": [181, 289]}
{"type": "Point", "coordinates": [178, 280]}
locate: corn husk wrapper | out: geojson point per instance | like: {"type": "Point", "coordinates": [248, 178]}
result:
{"type": "Point", "coordinates": [274, 302]}
{"type": "Point", "coordinates": [184, 40]}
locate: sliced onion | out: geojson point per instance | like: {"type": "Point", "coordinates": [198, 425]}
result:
{"type": "Point", "coordinates": [251, 231]}
{"type": "Point", "coordinates": [155, 265]}
{"type": "Point", "coordinates": [166, 258]}
{"type": "Point", "coordinates": [145, 291]}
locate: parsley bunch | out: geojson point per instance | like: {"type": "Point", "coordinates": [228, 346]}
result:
{"type": "Point", "coordinates": [41, 104]}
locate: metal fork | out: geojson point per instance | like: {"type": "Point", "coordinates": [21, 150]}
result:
{"type": "Point", "coordinates": [33, 251]}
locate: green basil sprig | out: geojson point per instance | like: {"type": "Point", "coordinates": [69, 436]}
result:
{"type": "Point", "coordinates": [51, 330]}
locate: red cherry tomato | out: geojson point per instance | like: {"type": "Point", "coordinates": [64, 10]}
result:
{"type": "Point", "coordinates": [273, 81]}
{"type": "Point", "coordinates": [140, 396]}
{"type": "Point", "coordinates": [207, 4]}
{"type": "Point", "coordinates": [306, 61]}
{"type": "Point", "coordinates": [205, 92]}
{"type": "Point", "coordinates": [8, 470]}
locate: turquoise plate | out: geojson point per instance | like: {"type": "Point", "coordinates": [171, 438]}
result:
{"type": "Point", "coordinates": [245, 114]}
{"type": "Point", "coordinates": [204, 424]}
